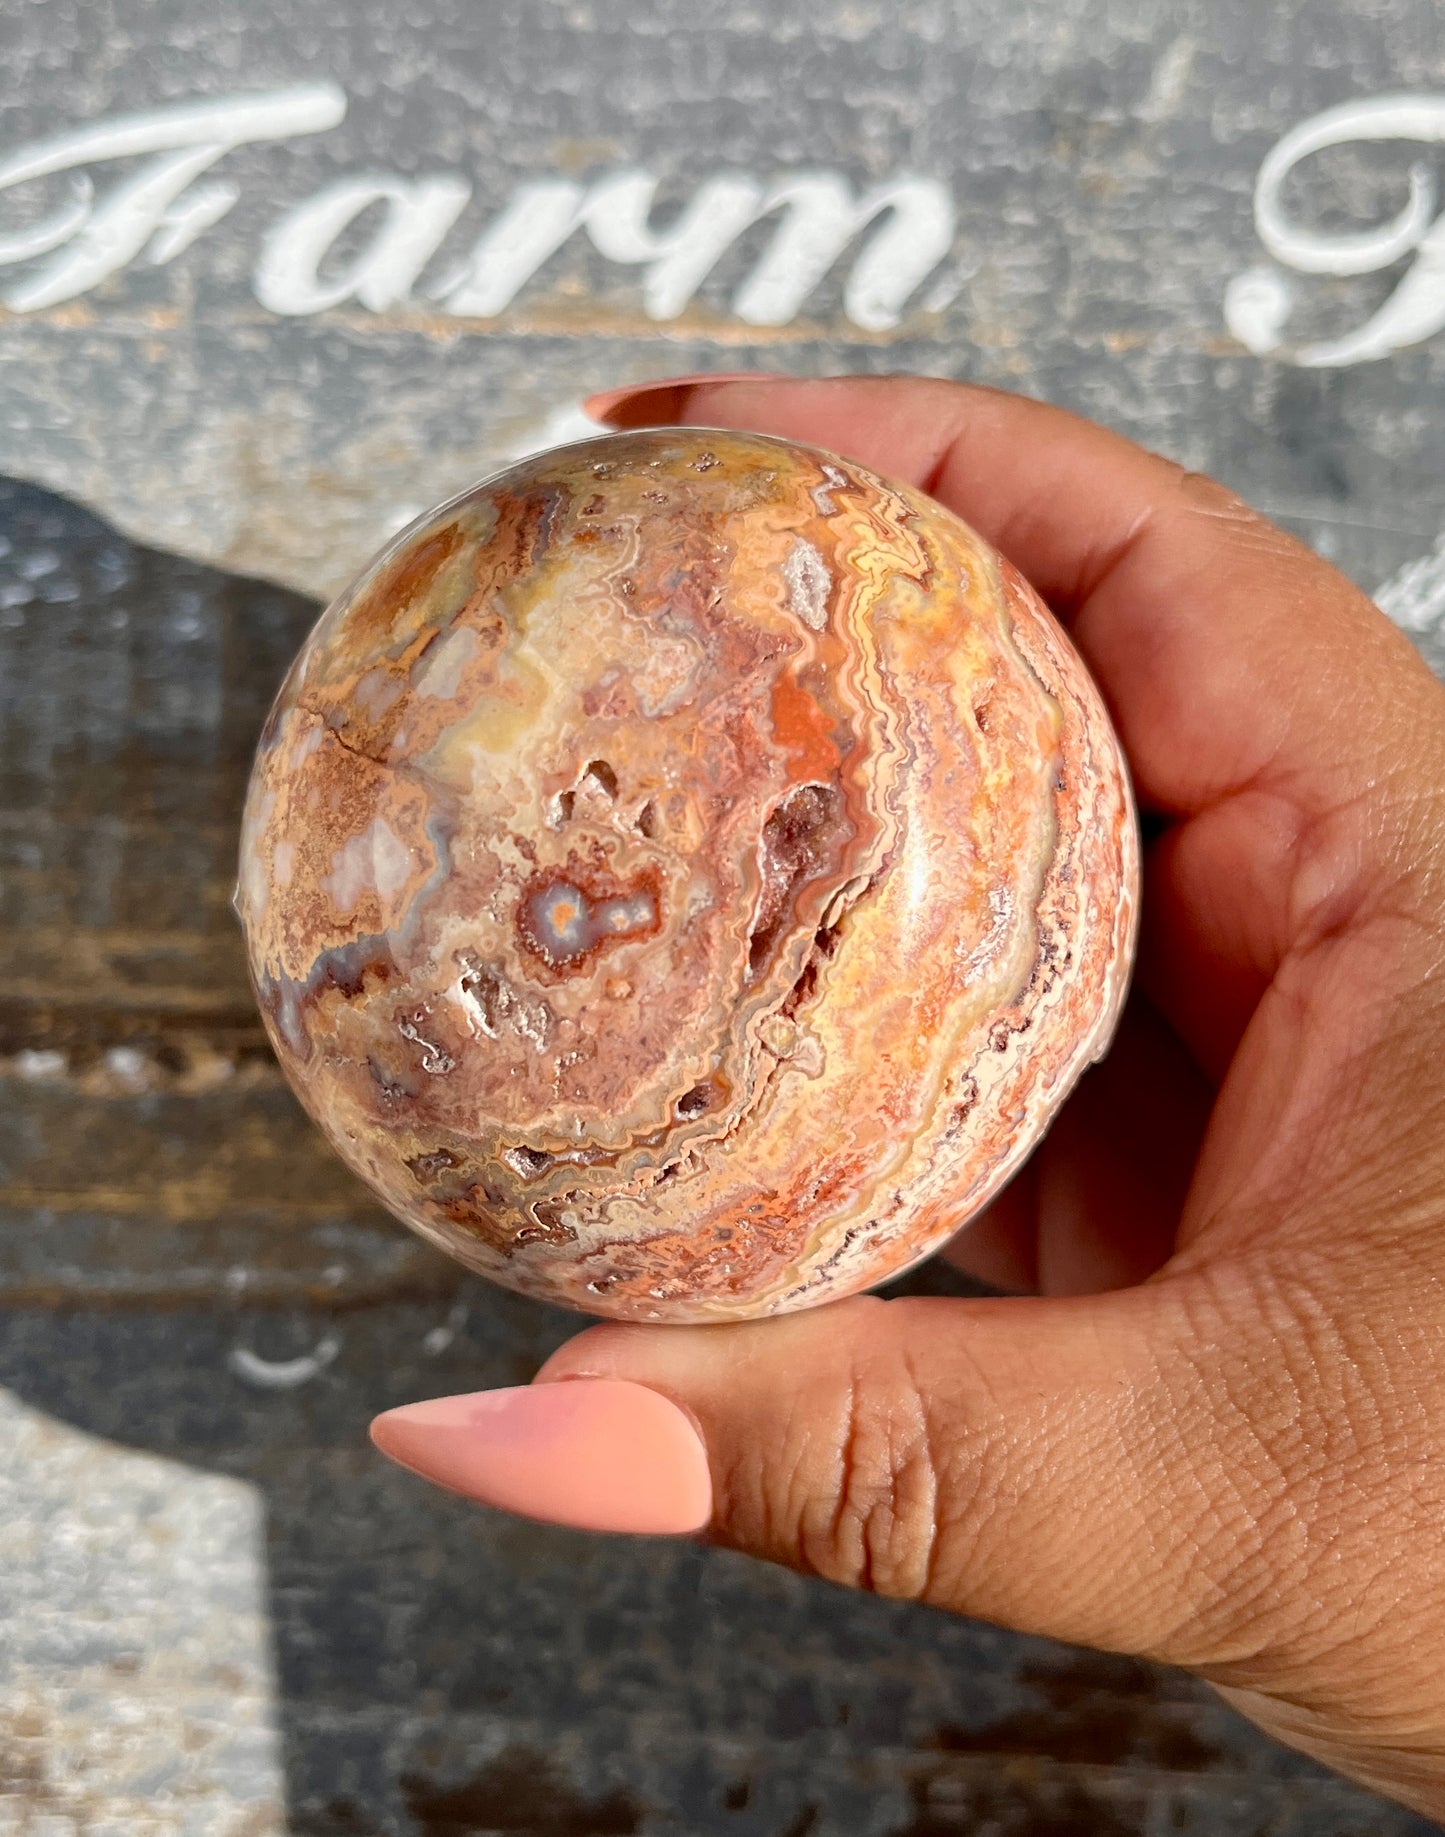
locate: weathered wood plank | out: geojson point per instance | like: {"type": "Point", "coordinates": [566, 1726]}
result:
{"type": "Point", "coordinates": [214, 1596]}
{"type": "Point", "coordinates": [149, 1151]}
{"type": "Point", "coordinates": [439, 1671]}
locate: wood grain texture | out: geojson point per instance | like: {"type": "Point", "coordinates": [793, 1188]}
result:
{"type": "Point", "coordinates": [147, 1144]}
{"type": "Point", "coordinates": [1100, 164]}
{"type": "Point", "coordinates": [172, 1228]}
{"type": "Point", "coordinates": [214, 1597]}
{"type": "Point", "coordinates": [440, 1671]}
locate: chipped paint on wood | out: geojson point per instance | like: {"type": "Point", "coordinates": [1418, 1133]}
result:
{"type": "Point", "coordinates": [215, 1599]}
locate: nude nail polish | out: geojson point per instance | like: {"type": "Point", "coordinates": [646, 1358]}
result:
{"type": "Point", "coordinates": [662, 398]}
{"type": "Point", "coordinates": [599, 1454]}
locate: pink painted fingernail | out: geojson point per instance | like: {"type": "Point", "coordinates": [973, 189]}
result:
{"type": "Point", "coordinates": [600, 1454]}
{"type": "Point", "coordinates": [663, 398]}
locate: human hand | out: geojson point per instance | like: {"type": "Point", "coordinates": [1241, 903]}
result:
{"type": "Point", "coordinates": [1214, 1433]}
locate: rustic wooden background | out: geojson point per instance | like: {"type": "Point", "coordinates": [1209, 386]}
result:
{"type": "Point", "coordinates": [219, 1612]}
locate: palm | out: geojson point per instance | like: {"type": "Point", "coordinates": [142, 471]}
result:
{"type": "Point", "coordinates": [1229, 1454]}
{"type": "Point", "coordinates": [1098, 1204]}
{"type": "Point", "coordinates": [1226, 652]}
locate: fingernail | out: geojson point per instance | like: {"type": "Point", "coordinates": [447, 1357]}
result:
{"type": "Point", "coordinates": [599, 1454]}
{"type": "Point", "coordinates": [662, 399]}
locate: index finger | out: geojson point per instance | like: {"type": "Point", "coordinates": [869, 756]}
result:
{"type": "Point", "coordinates": [1260, 696]}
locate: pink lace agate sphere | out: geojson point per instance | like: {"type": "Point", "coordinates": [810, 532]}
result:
{"type": "Point", "coordinates": [684, 875]}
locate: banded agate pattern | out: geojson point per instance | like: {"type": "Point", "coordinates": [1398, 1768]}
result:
{"type": "Point", "coordinates": [684, 875]}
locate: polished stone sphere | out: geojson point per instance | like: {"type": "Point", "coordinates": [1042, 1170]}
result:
{"type": "Point", "coordinates": [684, 875]}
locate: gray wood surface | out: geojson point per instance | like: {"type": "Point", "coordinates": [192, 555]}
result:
{"type": "Point", "coordinates": [219, 1612]}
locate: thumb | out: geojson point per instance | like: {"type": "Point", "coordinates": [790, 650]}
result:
{"type": "Point", "coordinates": [1018, 1460]}
{"type": "Point", "coordinates": [996, 1457]}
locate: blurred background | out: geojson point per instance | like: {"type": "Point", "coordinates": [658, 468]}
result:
{"type": "Point", "coordinates": [275, 275]}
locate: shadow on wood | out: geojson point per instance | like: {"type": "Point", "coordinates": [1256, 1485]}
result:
{"type": "Point", "coordinates": [176, 1237]}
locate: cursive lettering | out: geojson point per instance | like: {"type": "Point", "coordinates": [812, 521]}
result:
{"type": "Point", "coordinates": [1414, 596]}
{"type": "Point", "coordinates": [1258, 303]}
{"type": "Point", "coordinates": [418, 214]}
{"type": "Point", "coordinates": [821, 217]}
{"type": "Point", "coordinates": [155, 204]}
{"type": "Point", "coordinates": [899, 231]}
